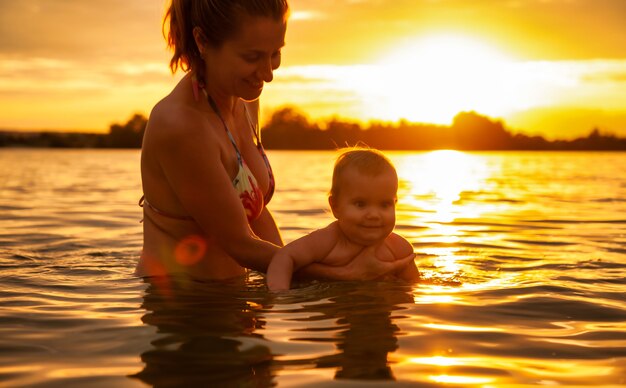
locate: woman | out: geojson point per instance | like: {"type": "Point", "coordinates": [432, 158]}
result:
{"type": "Point", "coordinates": [206, 178]}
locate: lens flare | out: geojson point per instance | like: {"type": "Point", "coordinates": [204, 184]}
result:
{"type": "Point", "coordinates": [190, 250]}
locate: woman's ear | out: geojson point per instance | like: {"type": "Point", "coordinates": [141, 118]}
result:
{"type": "Point", "coordinates": [200, 39]}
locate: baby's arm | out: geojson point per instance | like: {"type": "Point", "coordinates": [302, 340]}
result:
{"type": "Point", "coordinates": [311, 248]}
{"type": "Point", "coordinates": [400, 248]}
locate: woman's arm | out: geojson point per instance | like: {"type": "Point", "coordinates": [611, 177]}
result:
{"type": "Point", "coordinates": [266, 229]}
{"type": "Point", "coordinates": [410, 272]}
{"type": "Point", "coordinates": [401, 247]}
{"type": "Point", "coordinates": [311, 248]}
{"type": "Point", "coordinates": [365, 266]}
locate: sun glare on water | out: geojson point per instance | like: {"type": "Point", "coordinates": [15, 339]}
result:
{"type": "Point", "coordinates": [431, 190]}
{"type": "Point", "coordinates": [435, 181]}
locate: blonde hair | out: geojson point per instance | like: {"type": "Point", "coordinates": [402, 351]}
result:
{"type": "Point", "coordinates": [219, 21]}
{"type": "Point", "coordinates": [367, 161]}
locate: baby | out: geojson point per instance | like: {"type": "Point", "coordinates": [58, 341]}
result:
{"type": "Point", "coordinates": [363, 200]}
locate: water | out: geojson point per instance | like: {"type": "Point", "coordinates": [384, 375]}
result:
{"type": "Point", "coordinates": [523, 257]}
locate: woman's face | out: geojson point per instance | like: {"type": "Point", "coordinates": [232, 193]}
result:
{"type": "Point", "coordinates": [245, 62]}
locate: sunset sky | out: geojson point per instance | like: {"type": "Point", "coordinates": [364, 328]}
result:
{"type": "Point", "coordinates": [556, 68]}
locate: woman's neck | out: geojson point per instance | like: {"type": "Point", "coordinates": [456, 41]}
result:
{"type": "Point", "coordinates": [226, 104]}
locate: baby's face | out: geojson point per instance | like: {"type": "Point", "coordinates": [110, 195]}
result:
{"type": "Point", "coordinates": [366, 206]}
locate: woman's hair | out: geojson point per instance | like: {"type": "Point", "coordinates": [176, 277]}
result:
{"type": "Point", "coordinates": [219, 20]}
{"type": "Point", "coordinates": [367, 161]}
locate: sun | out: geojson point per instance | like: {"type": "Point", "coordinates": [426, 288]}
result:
{"type": "Point", "coordinates": [447, 46]}
{"type": "Point", "coordinates": [432, 78]}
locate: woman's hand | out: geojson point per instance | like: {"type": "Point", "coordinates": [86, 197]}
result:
{"type": "Point", "coordinates": [364, 266]}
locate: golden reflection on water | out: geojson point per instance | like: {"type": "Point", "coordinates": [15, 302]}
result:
{"type": "Point", "coordinates": [436, 196]}
{"type": "Point", "coordinates": [464, 328]}
{"type": "Point", "coordinates": [447, 379]}
{"type": "Point", "coordinates": [534, 302]}
{"type": "Point", "coordinates": [434, 182]}
{"type": "Point", "coordinates": [441, 369]}
{"type": "Point", "coordinates": [488, 370]}
{"type": "Point", "coordinates": [435, 294]}
{"type": "Point", "coordinates": [430, 194]}
{"type": "Point", "coordinates": [436, 360]}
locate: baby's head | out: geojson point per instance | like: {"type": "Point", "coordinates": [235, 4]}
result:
{"type": "Point", "coordinates": [363, 195]}
{"type": "Point", "coordinates": [366, 161]}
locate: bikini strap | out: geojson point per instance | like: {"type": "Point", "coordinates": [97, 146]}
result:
{"type": "Point", "coordinates": [254, 124]}
{"type": "Point", "coordinates": [257, 133]}
{"type": "Point", "coordinates": [230, 136]}
{"type": "Point", "coordinates": [144, 203]}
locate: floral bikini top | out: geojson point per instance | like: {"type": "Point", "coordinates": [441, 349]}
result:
{"type": "Point", "coordinates": [250, 194]}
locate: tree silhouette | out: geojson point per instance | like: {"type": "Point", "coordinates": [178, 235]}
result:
{"type": "Point", "coordinates": [129, 135]}
{"type": "Point", "coordinates": [288, 128]}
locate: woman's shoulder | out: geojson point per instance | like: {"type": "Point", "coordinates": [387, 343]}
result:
{"type": "Point", "coordinates": [175, 115]}
{"type": "Point", "coordinates": [173, 119]}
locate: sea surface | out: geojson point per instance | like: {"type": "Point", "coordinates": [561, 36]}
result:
{"type": "Point", "coordinates": [523, 256]}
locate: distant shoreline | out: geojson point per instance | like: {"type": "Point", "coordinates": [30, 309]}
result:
{"type": "Point", "coordinates": [290, 130]}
